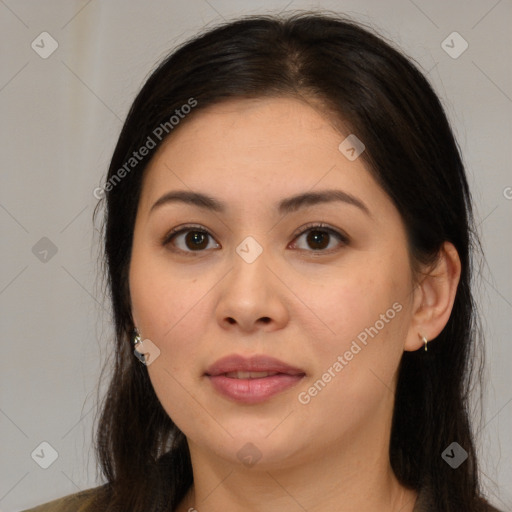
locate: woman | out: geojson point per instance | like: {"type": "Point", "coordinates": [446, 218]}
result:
{"type": "Point", "coordinates": [288, 242]}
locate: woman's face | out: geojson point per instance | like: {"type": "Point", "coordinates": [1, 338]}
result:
{"type": "Point", "coordinates": [249, 278]}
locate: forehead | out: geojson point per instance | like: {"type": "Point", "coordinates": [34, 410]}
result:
{"type": "Point", "coordinates": [274, 124]}
{"type": "Point", "coordinates": [280, 145]}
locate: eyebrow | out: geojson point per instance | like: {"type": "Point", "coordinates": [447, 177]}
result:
{"type": "Point", "coordinates": [288, 205]}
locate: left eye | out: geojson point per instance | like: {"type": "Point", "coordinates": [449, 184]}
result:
{"type": "Point", "coordinates": [319, 238]}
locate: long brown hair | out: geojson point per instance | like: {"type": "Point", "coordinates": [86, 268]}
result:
{"type": "Point", "coordinates": [384, 99]}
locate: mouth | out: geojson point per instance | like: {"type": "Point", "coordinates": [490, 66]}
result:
{"type": "Point", "coordinates": [249, 375]}
{"type": "Point", "coordinates": [252, 380]}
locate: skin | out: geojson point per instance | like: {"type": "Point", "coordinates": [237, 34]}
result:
{"type": "Point", "coordinates": [295, 303]}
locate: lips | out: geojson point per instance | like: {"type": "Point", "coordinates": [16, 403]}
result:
{"type": "Point", "coordinates": [255, 364]}
{"type": "Point", "coordinates": [252, 380]}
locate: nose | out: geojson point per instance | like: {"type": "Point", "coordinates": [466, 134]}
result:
{"type": "Point", "coordinates": [252, 297]}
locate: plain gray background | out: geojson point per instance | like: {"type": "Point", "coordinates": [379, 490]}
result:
{"type": "Point", "coordinates": [61, 117]}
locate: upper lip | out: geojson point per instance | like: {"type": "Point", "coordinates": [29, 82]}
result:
{"type": "Point", "coordinates": [258, 363]}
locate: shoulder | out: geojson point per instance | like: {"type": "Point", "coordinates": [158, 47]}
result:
{"type": "Point", "coordinates": [489, 508]}
{"type": "Point", "coordinates": [79, 502]}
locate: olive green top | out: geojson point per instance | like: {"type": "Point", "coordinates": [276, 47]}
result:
{"type": "Point", "coordinates": [81, 502]}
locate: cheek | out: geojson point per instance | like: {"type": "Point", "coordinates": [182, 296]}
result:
{"type": "Point", "coordinates": [167, 309]}
{"type": "Point", "coordinates": [365, 315]}
{"type": "Point", "coordinates": [354, 375]}
{"type": "Point", "coordinates": [164, 298]}
{"type": "Point", "coordinates": [172, 311]}
{"type": "Point", "coordinates": [356, 300]}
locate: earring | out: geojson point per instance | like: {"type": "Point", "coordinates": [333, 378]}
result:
{"type": "Point", "coordinates": [137, 339]}
{"type": "Point", "coordinates": [424, 339]}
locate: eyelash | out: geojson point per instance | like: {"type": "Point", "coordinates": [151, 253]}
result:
{"type": "Point", "coordinates": [305, 229]}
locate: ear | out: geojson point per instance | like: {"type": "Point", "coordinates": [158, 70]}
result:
{"type": "Point", "coordinates": [433, 298]}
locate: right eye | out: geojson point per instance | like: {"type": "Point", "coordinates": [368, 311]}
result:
{"type": "Point", "coordinates": [188, 239]}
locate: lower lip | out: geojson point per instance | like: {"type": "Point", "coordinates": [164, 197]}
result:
{"type": "Point", "coordinates": [253, 391]}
